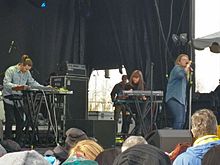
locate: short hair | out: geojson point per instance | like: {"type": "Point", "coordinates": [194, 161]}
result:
{"type": "Point", "coordinates": [132, 141]}
{"type": "Point", "coordinates": [204, 123]}
{"type": "Point", "coordinates": [89, 148]}
{"type": "Point", "coordinates": [179, 58]}
{"type": "Point", "coordinates": [124, 77]}
{"type": "Point", "coordinates": [26, 60]}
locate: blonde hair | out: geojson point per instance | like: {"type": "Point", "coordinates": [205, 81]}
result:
{"type": "Point", "coordinates": [204, 123]}
{"type": "Point", "coordinates": [179, 58]}
{"type": "Point", "coordinates": [89, 148]}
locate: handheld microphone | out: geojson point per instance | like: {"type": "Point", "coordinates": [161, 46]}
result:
{"type": "Point", "coordinates": [11, 46]}
{"type": "Point", "coordinates": [188, 66]}
{"type": "Point", "coordinates": [191, 69]}
{"type": "Point", "coordinates": [190, 62]}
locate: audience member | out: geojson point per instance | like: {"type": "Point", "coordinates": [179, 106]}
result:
{"type": "Point", "coordinates": [88, 148]}
{"type": "Point", "coordinates": [10, 145]}
{"type": "Point", "coordinates": [77, 160]}
{"type": "Point", "coordinates": [2, 151]}
{"type": "Point", "coordinates": [52, 160]}
{"type": "Point", "coordinates": [204, 129]}
{"type": "Point", "coordinates": [142, 154]}
{"type": "Point", "coordinates": [131, 141]}
{"type": "Point", "coordinates": [212, 156]}
{"type": "Point", "coordinates": [23, 158]}
{"type": "Point", "coordinates": [84, 150]}
{"type": "Point", "coordinates": [73, 135]}
{"type": "Point", "coordinates": [108, 156]}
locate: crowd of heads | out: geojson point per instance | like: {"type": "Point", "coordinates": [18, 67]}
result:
{"type": "Point", "coordinates": [82, 150]}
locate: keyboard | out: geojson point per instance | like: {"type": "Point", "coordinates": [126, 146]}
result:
{"type": "Point", "coordinates": [142, 93]}
{"type": "Point", "coordinates": [41, 88]}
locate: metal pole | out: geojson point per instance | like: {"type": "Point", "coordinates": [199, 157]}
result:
{"type": "Point", "coordinates": [192, 55]}
{"type": "Point", "coordinates": [190, 104]}
{"type": "Point", "coordinates": [151, 94]}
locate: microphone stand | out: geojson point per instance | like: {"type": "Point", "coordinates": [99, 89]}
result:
{"type": "Point", "coordinates": [190, 98]}
{"type": "Point", "coordinates": [33, 70]}
{"type": "Point", "coordinates": [151, 95]}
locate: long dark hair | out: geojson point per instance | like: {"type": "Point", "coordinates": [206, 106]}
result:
{"type": "Point", "coordinates": [140, 85]}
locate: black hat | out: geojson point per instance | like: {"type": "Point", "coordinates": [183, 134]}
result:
{"type": "Point", "coordinates": [74, 135]}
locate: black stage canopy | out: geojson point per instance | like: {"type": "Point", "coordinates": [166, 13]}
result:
{"type": "Point", "coordinates": [99, 33]}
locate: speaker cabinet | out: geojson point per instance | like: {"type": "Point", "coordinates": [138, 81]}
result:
{"type": "Point", "coordinates": [76, 105]}
{"type": "Point", "coordinates": [168, 139]}
{"type": "Point", "coordinates": [102, 130]}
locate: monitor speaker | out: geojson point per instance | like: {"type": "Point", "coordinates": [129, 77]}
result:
{"type": "Point", "coordinates": [102, 130]}
{"type": "Point", "coordinates": [166, 139]}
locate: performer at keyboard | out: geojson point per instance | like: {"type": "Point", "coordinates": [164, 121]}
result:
{"type": "Point", "coordinates": [116, 96]}
{"type": "Point", "coordinates": [136, 82]}
{"type": "Point", "coordinates": [176, 91]}
{"type": "Point", "coordinates": [16, 77]}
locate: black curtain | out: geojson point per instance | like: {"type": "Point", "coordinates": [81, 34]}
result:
{"type": "Point", "coordinates": [99, 33]}
{"type": "Point", "coordinates": [50, 35]}
{"type": "Point", "coordinates": [137, 34]}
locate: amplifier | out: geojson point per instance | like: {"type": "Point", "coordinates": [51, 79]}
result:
{"type": "Point", "coordinates": [101, 115]}
{"type": "Point", "coordinates": [166, 139]}
{"type": "Point", "coordinates": [70, 69]}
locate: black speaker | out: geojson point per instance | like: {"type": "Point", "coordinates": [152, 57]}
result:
{"type": "Point", "coordinates": [102, 130]}
{"type": "Point", "coordinates": [166, 139]}
{"type": "Point", "coordinates": [75, 105]}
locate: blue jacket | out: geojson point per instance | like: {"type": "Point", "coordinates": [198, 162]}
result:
{"type": "Point", "coordinates": [194, 155]}
{"type": "Point", "coordinates": [176, 87]}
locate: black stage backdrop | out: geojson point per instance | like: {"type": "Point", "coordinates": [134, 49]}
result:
{"type": "Point", "coordinates": [99, 33]}
{"type": "Point", "coordinates": [50, 36]}
{"type": "Point", "coordinates": [134, 33]}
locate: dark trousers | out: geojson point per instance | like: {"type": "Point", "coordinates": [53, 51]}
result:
{"type": "Point", "coordinates": [12, 113]}
{"type": "Point", "coordinates": [142, 119]}
{"type": "Point", "coordinates": [177, 110]}
{"type": "Point", "coordinates": [125, 118]}
{"type": "Point", "coordinates": [126, 121]}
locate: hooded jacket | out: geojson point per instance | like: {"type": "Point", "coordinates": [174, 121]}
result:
{"type": "Point", "coordinates": [194, 155]}
{"type": "Point", "coordinates": [142, 154]}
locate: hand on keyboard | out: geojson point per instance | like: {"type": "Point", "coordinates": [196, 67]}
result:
{"type": "Point", "coordinates": [20, 87]}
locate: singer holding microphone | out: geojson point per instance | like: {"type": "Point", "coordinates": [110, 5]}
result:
{"type": "Point", "coordinates": [176, 91]}
{"type": "Point", "coordinates": [16, 77]}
